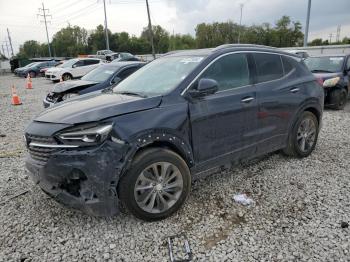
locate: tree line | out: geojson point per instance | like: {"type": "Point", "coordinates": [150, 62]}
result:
{"type": "Point", "coordinates": [74, 40]}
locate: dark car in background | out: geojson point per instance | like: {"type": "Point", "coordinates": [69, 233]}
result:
{"type": "Point", "coordinates": [33, 69]}
{"type": "Point", "coordinates": [102, 77]}
{"type": "Point", "coordinates": [19, 69]}
{"type": "Point", "coordinates": [181, 116]}
{"type": "Point", "coordinates": [333, 72]}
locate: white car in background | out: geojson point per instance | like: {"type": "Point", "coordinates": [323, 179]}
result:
{"type": "Point", "coordinates": [73, 68]}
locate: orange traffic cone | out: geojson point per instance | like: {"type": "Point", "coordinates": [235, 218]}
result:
{"type": "Point", "coordinates": [15, 98]}
{"type": "Point", "coordinates": [29, 82]}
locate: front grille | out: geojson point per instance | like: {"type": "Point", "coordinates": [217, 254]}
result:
{"type": "Point", "coordinates": [40, 154]}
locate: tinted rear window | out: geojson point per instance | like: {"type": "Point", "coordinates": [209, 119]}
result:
{"type": "Point", "coordinates": [287, 65]}
{"type": "Point", "coordinates": [268, 66]}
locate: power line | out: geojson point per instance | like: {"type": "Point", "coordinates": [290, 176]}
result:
{"type": "Point", "coordinates": [72, 11]}
{"type": "Point", "coordinates": [75, 14]}
{"type": "Point", "coordinates": [43, 10]}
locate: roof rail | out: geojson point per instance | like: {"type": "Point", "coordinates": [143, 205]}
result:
{"type": "Point", "coordinates": [241, 45]}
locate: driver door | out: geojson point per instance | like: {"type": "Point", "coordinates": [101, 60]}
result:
{"type": "Point", "coordinates": [224, 124]}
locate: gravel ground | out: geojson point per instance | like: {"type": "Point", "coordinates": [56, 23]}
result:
{"type": "Point", "coordinates": [297, 215]}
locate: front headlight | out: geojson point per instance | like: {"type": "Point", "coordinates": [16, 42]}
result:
{"type": "Point", "coordinates": [331, 82]}
{"type": "Point", "coordinates": [86, 135]}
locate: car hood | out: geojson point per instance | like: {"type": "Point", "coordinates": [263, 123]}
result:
{"type": "Point", "coordinates": [96, 107]}
{"type": "Point", "coordinates": [21, 68]}
{"type": "Point", "coordinates": [325, 76]}
{"type": "Point", "coordinates": [67, 85]}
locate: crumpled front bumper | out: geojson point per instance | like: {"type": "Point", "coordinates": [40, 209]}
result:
{"type": "Point", "coordinates": [81, 179]}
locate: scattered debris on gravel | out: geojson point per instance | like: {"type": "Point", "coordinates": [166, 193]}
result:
{"type": "Point", "coordinates": [301, 210]}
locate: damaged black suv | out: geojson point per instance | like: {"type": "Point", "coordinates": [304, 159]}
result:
{"type": "Point", "coordinates": [180, 116]}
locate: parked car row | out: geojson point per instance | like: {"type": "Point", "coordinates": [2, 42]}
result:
{"type": "Point", "coordinates": [100, 78]}
{"type": "Point", "coordinates": [34, 69]}
{"type": "Point", "coordinates": [141, 143]}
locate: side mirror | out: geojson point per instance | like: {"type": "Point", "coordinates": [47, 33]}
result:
{"type": "Point", "coordinates": [205, 87]}
{"type": "Point", "coordinates": [74, 66]}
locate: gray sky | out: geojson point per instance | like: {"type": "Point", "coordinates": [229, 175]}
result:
{"type": "Point", "coordinates": [180, 16]}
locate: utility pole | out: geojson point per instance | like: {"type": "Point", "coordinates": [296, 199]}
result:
{"type": "Point", "coordinates": [307, 23]}
{"type": "Point", "coordinates": [338, 33]}
{"type": "Point", "coordinates": [7, 49]}
{"type": "Point", "coordinates": [150, 30]}
{"type": "Point", "coordinates": [240, 24]}
{"type": "Point", "coordinates": [330, 38]}
{"type": "Point", "coordinates": [43, 10]}
{"type": "Point", "coordinates": [9, 37]}
{"type": "Point", "coordinates": [106, 28]}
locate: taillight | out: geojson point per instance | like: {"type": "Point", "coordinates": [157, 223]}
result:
{"type": "Point", "coordinates": [319, 80]}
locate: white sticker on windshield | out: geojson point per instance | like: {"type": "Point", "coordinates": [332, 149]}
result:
{"type": "Point", "coordinates": [336, 58]}
{"type": "Point", "coordinates": [191, 60]}
{"type": "Point", "coordinates": [108, 72]}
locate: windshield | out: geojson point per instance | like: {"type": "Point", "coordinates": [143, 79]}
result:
{"type": "Point", "coordinates": [100, 74]}
{"type": "Point", "coordinates": [327, 64]}
{"type": "Point", "coordinates": [68, 63]}
{"type": "Point", "coordinates": [159, 77]}
{"type": "Point", "coordinates": [31, 64]}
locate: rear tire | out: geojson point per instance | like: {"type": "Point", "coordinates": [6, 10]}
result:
{"type": "Point", "coordinates": [156, 185]}
{"type": "Point", "coordinates": [338, 99]}
{"type": "Point", "coordinates": [303, 136]}
{"type": "Point", "coordinates": [32, 74]}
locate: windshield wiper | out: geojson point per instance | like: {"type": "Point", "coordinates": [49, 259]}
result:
{"type": "Point", "coordinates": [128, 93]}
{"type": "Point", "coordinates": [321, 71]}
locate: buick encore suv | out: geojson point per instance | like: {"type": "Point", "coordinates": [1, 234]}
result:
{"type": "Point", "coordinates": [141, 144]}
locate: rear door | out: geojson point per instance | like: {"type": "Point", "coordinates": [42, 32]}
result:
{"type": "Point", "coordinates": [90, 64]}
{"type": "Point", "coordinates": [223, 123]}
{"type": "Point", "coordinates": [279, 94]}
{"type": "Point", "coordinates": [78, 69]}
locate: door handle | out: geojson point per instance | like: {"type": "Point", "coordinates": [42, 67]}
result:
{"type": "Point", "coordinates": [247, 99]}
{"type": "Point", "coordinates": [295, 90]}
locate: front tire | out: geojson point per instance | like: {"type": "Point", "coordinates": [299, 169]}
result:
{"type": "Point", "coordinates": [156, 185]}
{"type": "Point", "coordinates": [303, 136]}
{"type": "Point", "coordinates": [338, 99]}
{"type": "Point", "coordinates": [66, 77]}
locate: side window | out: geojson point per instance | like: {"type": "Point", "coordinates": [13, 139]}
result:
{"type": "Point", "coordinates": [287, 65]}
{"type": "Point", "coordinates": [230, 71]}
{"type": "Point", "coordinates": [79, 64]}
{"type": "Point", "coordinates": [128, 71]}
{"type": "Point", "coordinates": [268, 67]}
{"type": "Point", "coordinates": [348, 64]}
{"type": "Point", "coordinates": [91, 62]}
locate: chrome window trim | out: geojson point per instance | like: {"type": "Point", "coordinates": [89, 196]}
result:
{"type": "Point", "coordinates": [237, 52]}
